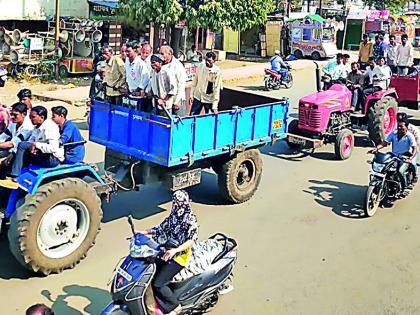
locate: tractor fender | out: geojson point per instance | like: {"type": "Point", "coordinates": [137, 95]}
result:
{"type": "Point", "coordinates": [32, 178]}
{"type": "Point", "coordinates": [373, 98]}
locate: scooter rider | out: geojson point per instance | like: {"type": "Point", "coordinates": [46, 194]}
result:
{"type": "Point", "coordinates": [278, 65]}
{"type": "Point", "coordinates": [180, 226]}
{"type": "Point", "coordinates": [403, 145]}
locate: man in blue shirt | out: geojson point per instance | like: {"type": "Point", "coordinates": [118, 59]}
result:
{"type": "Point", "coordinates": [379, 47]}
{"type": "Point", "coordinates": [278, 65]}
{"type": "Point", "coordinates": [71, 139]}
{"type": "Point", "coordinates": [403, 145]}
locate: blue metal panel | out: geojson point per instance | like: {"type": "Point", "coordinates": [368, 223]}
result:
{"type": "Point", "coordinates": [225, 129]}
{"type": "Point", "coordinates": [244, 126]}
{"type": "Point", "coordinates": [120, 124]}
{"type": "Point", "coordinates": [99, 120]}
{"type": "Point", "coordinates": [204, 133]}
{"type": "Point", "coordinates": [182, 130]}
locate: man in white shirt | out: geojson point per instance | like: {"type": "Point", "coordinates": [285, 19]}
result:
{"type": "Point", "coordinates": [391, 53]}
{"type": "Point", "coordinates": [42, 149]}
{"type": "Point", "coordinates": [192, 54]}
{"type": "Point", "coordinates": [146, 53]}
{"type": "Point", "coordinates": [162, 86]}
{"type": "Point", "coordinates": [381, 77]}
{"type": "Point", "coordinates": [405, 56]}
{"type": "Point", "coordinates": [137, 72]}
{"type": "Point", "coordinates": [368, 74]}
{"type": "Point", "coordinates": [175, 67]}
{"type": "Point", "coordinates": [206, 86]}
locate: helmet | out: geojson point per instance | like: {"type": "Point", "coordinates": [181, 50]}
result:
{"type": "Point", "coordinates": [277, 52]}
{"type": "Point", "coordinates": [24, 93]}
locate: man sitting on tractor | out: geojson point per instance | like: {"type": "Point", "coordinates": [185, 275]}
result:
{"type": "Point", "coordinates": [381, 74]}
{"type": "Point", "coordinates": [42, 149]}
{"type": "Point", "coordinates": [356, 79]}
{"type": "Point", "coordinates": [71, 139]}
{"type": "Point", "coordinates": [278, 65]}
{"type": "Point", "coordinates": [19, 130]}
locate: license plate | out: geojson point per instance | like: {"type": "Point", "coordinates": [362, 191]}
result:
{"type": "Point", "coordinates": [123, 273]}
{"type": "Point", "coordinates": [296, 140]}
{"type": "Point", "coordinates": [186, 179]}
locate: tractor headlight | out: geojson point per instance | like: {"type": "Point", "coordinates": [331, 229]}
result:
{"type": "Point", "coordinates": [377, 167]}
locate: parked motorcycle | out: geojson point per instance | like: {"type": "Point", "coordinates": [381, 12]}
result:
{"type": "Point", "coordinates": [274, 80]}
{"type": "Point", "coordinates": [386, 183]}
{"type": "Point", "coordinates": [198, 286]}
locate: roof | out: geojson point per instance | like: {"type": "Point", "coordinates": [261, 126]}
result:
{"type": "Point", "coordinates": [313, 17]}
{"type": "Point", "coordinates": [113, 4]}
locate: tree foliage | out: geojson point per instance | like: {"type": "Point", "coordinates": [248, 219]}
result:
{"type": "Point", "coordinates": [212, 14]}
{"type": "Point", "coordinates": [394, 6]}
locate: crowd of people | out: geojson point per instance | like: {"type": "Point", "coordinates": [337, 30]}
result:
{"type": "Point", "coordinates": [157, 80]}
{"type": "Point", "coordinates": [372, 72]}
{"type": "Point", "coordinates": [30, 137]}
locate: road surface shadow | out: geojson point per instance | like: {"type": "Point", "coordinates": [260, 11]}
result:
{"type": "Point", "coordinates": [10, 268]}
{"type": "Point", "coordinates": [147, 202]}
{"type": "Point", "coordinates": [98, 299]}
{"type": "Point", "coordinates": [344, 199]}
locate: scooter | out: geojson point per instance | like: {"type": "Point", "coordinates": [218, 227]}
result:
{"type": "Point", "coordinates": [386, 183]}
{"type": "Point", "coordinates": [198, 286]}
{"type": "Point", "coordinates": [274, 80]}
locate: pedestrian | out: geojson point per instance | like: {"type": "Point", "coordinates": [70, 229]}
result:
{"type": "Point", "coordinates": [25, 97]}
{"type": "Point", "coordinates": [114, 78]}
{"type": "Point", "coordinates": [70, 137]}
{"type": "Point", "coordinates": [206, 86]}
{"type": "Point", "coordinates": [365, 51]}
{"type": "Point", "coordinates": [138, 49]}
{"type": "Point", "coordinates": [97, 88]}
{"type": "Point", "coordinates": [175, 67]}
{"type": "Point", "coordinates": [368, 74]}
{"type": "Point", "coordinates": [391, 53]}
{"type": "Point", "coordinates": [192, 54]}
{"type": "Point", "coordinates": [123, 52]}
{"type": "Point", "coordinates": [137, 72]}
{"type": "Point", "coordinates": [378, 47]}
{"type": "Point", "coordinates": [405, 56]}
{"type": "Point", "coordinates": [42, 149]}
{"type": "Point", "coordinates": [162, 86]}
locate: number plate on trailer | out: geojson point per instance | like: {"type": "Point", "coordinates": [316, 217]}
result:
{"type": "Point", "coordinates": [296, 140]}
{"type": "Point", "coordinates": [185, 179]}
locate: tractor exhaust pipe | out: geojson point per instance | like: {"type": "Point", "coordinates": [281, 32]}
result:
{"type": "Point", "coordinates": [317, 77]}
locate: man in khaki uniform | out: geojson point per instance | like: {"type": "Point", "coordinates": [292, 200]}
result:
{"type": "Point", "coordinates": [114, 76]}
{"type": "Point", "coordinates": [206, 86]}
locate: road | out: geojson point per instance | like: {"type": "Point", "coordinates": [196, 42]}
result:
{"type": "Point", "coordinates": [303, 246]}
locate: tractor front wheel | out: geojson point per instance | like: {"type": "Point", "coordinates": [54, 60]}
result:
{"type": "Point", "coordinates": [382, 119]}
{"type": "Point", "coordinates": [54, 228]}
{"type": "Point", "coordinates": [344, 144]}
{"type": "Point", "coordinates": [239, 177]}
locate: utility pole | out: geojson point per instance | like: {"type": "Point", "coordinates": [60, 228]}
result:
{"type": "Point", "coordinates": [320, 8]}
{"type": "Point", "coordinates": [309, 6]}
{"type": "Point", "coordinates": [57, 36]}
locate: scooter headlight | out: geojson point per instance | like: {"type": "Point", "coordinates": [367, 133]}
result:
{"type": "Point", "coordinates": [141, 251]}
{"type": "Point", "coordinates": [377, 167]}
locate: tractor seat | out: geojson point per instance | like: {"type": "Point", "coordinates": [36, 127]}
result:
{"type": "Point", "coordinates": [202, 256]}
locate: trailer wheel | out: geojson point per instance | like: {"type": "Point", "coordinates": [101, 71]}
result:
{"type": "Point", "coordinates": [54, 228]}
{"type": "Point", "coordinates": [239, 177]}
{"type": "Point", "coordinates": [344, 144]}
{"type": "Point", "coordinates": [382, 119]}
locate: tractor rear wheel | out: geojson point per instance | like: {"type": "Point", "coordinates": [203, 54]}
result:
{"type": "Point", "coordinates": [382, 119]}
{"type": "Point", "coordinates": [53, 229]}
{"type": "Point", "coordinates": [239, 177]}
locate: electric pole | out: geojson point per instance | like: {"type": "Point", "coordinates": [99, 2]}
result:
{"type": "Point", "coordinates": [57, 37]}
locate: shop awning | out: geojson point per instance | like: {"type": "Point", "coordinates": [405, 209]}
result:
{"type": "Point", "coordinates": [313, 17]}
{"type": "Point", "coordinates": [109, 4]}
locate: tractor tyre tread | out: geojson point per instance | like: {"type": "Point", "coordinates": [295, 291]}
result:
{"type": "Point", "coordinates": [376, 116]}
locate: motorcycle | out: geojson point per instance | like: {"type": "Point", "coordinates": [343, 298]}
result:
{"type": "Point", "coordinates": [274, 80]}
{"type": "Point", "coordinates": [198, 286]}
{"type": "Point", "coordinates": [386, 183]}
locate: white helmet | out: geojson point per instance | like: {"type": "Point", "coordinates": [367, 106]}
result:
{"type": "Point", "coordinates": [277, 52]}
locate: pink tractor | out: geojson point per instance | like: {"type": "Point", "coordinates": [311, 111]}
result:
{"type": "Point", "coordinates": [327, 117]}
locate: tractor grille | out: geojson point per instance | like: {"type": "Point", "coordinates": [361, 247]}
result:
{"type": "Point", "coordinates": [309, 117]}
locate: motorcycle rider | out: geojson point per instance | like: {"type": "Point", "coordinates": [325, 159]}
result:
{"type": "Point", "coordinates": [279, 66]}
{"type": "Point", "coordinates": [403, 145]}
{"type": "Point", "coordinates": [416, 133]}
{"type": "Point", "coordinates": [181, 226]}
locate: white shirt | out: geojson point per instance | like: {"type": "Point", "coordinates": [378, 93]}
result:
{"type": "Point", "coordinates": [47, 139]}
{"type": "Point", "coordinates": [137, 74]}
{"type": "Point", "coordinates": [200, 85]}
{"type": "Point", "coordinates": [416, 133]}
{"type": "Point", "coordinates": [391, 54]}
{"type": "Point", "coordinates": [16, 135]}
{"type": "Point", "coordinates": [381, 76]}
{"type": "Point", "coordinates": [405, 55]}
{"type": "Point", "coordinates": [193, 56]}
{"type": "Point", "coordinates": [162, 84]}
{"type": "Point", "coordinates": [176, 68]}
{"type": "Point", "coordinates": [369, 74]}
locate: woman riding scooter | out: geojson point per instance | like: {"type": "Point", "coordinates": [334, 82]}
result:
{"type": "Point", "coordinates": [179, 227]}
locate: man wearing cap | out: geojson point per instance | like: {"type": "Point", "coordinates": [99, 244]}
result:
{"type": "Point", "coordinates": [278, 65]}
{"type": "Point", "coordinates": [162, 86]}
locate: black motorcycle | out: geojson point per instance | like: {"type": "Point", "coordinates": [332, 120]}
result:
{"type": "Point", "coordinates": [386, 184]}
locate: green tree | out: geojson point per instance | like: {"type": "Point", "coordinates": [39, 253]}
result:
{"type": "Point", "coordinates": [394, 6]}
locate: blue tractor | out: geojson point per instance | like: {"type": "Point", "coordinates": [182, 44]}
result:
{"type": "Point", "coordinates": [53, 219]}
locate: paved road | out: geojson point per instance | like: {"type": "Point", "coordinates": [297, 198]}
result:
{"type": "Point", "coordinates": [303, 247]}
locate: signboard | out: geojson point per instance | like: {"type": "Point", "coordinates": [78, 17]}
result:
{"type": "Point", "coordinates": [376, 15]}
{"type": "Point", "coordinates": [102, 9]}
{"type": "Point", "coordinates": [357, 15]}
{"type": "Point", "coordinates": [36, 44]}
